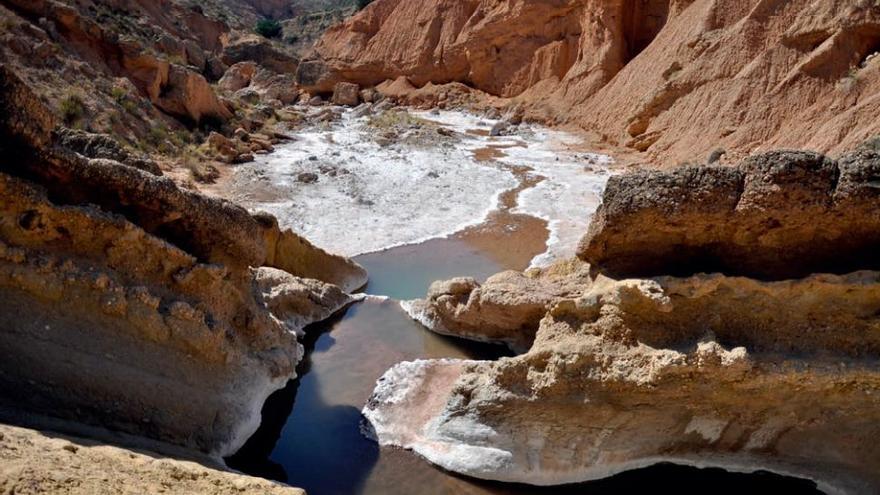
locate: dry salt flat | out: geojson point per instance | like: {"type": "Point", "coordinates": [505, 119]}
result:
{"type": "Point", "coordinates": [369, 197]}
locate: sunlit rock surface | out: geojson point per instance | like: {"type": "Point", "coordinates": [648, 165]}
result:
{"type": "Point", "coordinates": [695, 368]}
{"type": "Point", "coordinates": [131, 303]}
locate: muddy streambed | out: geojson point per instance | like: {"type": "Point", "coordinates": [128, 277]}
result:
{"type": "Point", "coordinates": [414, 205]}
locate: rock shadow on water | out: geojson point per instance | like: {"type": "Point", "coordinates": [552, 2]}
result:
{"type": "Point", "coordinates": [661, 478]}
{"type": "Point", "coordinates": [320, 447]}
{"type": "Point", "coordinates": [323, 450]}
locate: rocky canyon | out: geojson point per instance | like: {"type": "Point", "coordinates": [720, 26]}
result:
{"type": "Point", "coordinates": [439, 246]}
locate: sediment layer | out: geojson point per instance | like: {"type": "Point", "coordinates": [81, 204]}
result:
{"type": "Point", "coordinates": [778, 373]}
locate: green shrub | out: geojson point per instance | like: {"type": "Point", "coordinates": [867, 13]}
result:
{"type": "Point", "coordinates": [872, 144]}
{"type": "Point", "coordinates": [72, 109]}
{"type": "Point", "coordinates": [268, 28]}
{"type": "Point", "coordinates": [119, 94]}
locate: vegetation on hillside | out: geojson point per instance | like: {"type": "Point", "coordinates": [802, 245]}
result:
{"type": "Point", "coordinates": [268, 28]}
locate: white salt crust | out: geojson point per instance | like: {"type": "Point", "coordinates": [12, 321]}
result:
{"type": "Point", "coordinates": [381, 197]}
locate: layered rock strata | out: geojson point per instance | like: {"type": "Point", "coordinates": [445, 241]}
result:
{"type": "Point", "coordinates": [506, 309]}
{"type": "Point", "coordinates": [780, 374]}
{"type": "Point", "coordinates": [775, 215]}
{"type": "Point", "coordinates": [131, 303]}
{"type": "Point", "coordinates": [673, 78]}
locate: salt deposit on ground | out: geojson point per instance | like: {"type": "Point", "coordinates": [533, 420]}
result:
{"type": "Point", "coordinates": [364, 197]}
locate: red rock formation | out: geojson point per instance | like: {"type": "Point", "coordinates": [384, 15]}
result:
{"type": "Point", "coordinates": [676, 78]}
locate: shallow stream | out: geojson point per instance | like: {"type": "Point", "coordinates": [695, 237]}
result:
{"type": "Point", "coordinates": [514, 206]}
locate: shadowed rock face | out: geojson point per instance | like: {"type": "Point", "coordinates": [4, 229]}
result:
{"type": "Point", "coordinates": [749, 368]}
{"type": "Point", "coordinates": [774, 216]}
{"type": "Point", "coordinates": [133, 304]}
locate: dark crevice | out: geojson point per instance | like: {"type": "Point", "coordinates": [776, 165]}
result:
{"type": "Point", "coordinates": [642, 22]}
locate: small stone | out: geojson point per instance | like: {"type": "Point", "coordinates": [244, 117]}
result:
{"type": "Point", "coordinates": [307, 178]}
{"type": "Point", "coordinates": [499, 128]}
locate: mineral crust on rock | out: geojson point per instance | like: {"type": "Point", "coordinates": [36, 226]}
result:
{"type": "Point", "coordinates": [133, 304]}
{"type": "Point", "coordinates": [506, 309]}
{"type": "Point", "coordinates": [709, 369]}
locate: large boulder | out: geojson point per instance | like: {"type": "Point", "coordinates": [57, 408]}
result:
{"type": "Point", "coordinates": [315, 77]}
{"type": "Point", "coordinates": [776, 215]}
{"type": "Point", "coordinates": [188, 95]}
{"type": "Point", "coordinates": [345, 93]}
{"type": "Point", "coordinates": [506, 309]}
{"type": "Point", "coordinates": [238, 76]}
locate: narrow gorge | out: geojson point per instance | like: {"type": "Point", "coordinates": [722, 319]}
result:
{"type": "Point", "coordinates": [439, 246]}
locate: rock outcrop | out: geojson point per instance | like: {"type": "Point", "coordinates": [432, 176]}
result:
{"type": "Point", "coordinates": [506, 309]}
{"type": "Point", "coordinates": [775, 215]}
{"type": "Point", "coordinates": [673, 78]}
{"type": "Point", "coordinates": [672, 364]}
{"type": "Point", "coordinates": [260, 50]}
{"type": "Point", "coordinates": [294, 254]}
{"type": "Point", "coordinates": [131, 303]}
{"type": "Point", "coordinates": [173, 87]}
{"type": "Point", "coordinates": [346, 94]}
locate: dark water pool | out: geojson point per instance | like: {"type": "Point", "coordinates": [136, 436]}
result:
{"type": "Point", "coordinates": [406, 272]}
{"type": "Point", "coordinates": [310, 434]}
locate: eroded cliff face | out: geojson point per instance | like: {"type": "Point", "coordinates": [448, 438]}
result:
{"type": "Point", "coordinates": [144, 73]}
{"type": "Point", "coordinates": [675, 78]}
{"type": "Point", "coordinates": [778, 372]}
{"type": "Point", "coordinates": [131, 303]}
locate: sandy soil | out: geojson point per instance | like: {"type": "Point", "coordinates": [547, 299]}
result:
{"type": "Point", "coordinates": [33, 462]}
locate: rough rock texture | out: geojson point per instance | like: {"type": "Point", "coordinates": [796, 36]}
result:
{"type": "Point", "coordinates": [294, 254]}
{"type": "Point", "coordinates": [103, 146]}
{"type": "Point", "coordinates": [238, 76]}
{"type": "Point", "coordinates": [175, 88]}
{"type": "Point", "coordinates": [299, 301]}
{"type": "Point", "coordinates": [775, 215]}
{"type": "Point", "coordinates": [258, 49]}
{"type": "Point", "coordinates": [687, 367]}
{"type": "Point", "coordinates": [131, 303]}
{"type": "Point", "coordinates": [36, 462]}
{"type": "Point", "coordinates": [186, 94]}
{"type": "Point", "coordinates": [675, 78]}
{"type": "Point", "coordinates": [506, 309]}
{"type": "Point", "coordinates": [706, 370]}
{"type": "Point", "coordinates": [346, 94]}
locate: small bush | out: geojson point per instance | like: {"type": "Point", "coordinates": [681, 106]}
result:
{"type": "Point", "coordinates": [200, 170]}
{"type": "Point", "coordinates": [363, 3]}
{"type": "Point", "coordinates": [268, 28]}
{"type": "Point", "coordinates": [119, 94]}
{"type": "Point", "coordinates": [72, 109]}
{"type": "Point", "coordinates": [396, 119]}
{"type": "Point", "coordinates": [872, 144]}
{"type": "Point", "coordinates": [716, 155]}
